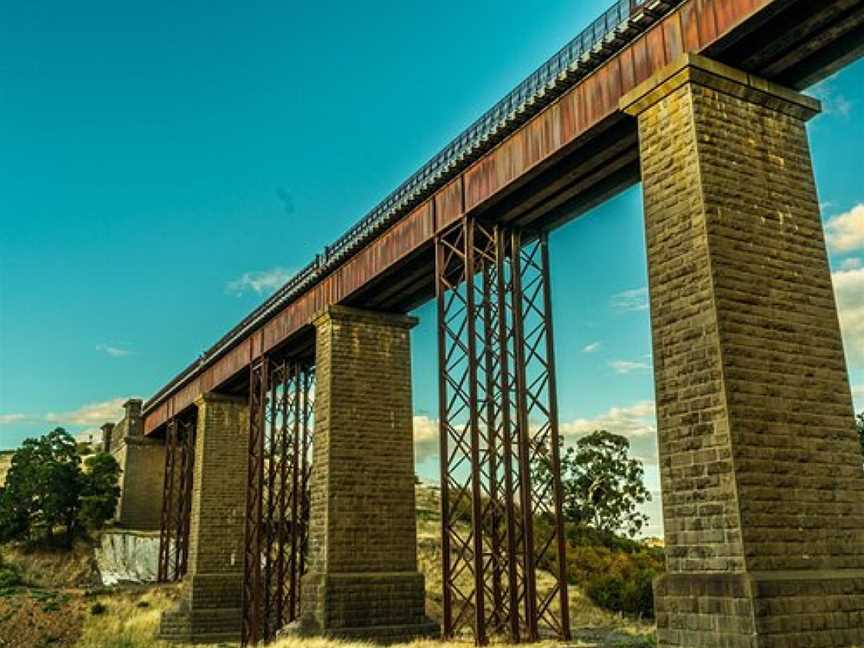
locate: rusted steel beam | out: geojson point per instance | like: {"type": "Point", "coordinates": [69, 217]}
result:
{"type": "Point", "coordinates": [277, 511]}
{"type": "Point", "coordinates": [501, 516]}
{"type": "Point", "coordinates": [541, 141]}
{"type": "Point", "coordinates": [176, 499]}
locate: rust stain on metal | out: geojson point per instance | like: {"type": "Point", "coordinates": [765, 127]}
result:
{"type": "Point", "coordinates": [628, 71]}
{"type": "Point", "coordinates": [707, 21]}
{"type": "Point", "coordinates": [690, 27]}
{"type": "Point", "coordinates": [448, 203]}
{"type": "Point", "coordinates": [672, 36]}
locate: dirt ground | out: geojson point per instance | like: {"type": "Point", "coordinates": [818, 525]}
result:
{"type": "Point", "coordinates": [35, 618]}
{"type": "Point", "coordinates": [62, 605]}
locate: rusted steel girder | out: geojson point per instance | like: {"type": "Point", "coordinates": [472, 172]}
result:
{"type": "Point", "coordinates": [277, 503]}
{"type": "Point", "coordinates": [587, 105]}
{"type": "Point", "coordinates": [176, 499]}
{"type": "Point", "coordinates": [498, 423]}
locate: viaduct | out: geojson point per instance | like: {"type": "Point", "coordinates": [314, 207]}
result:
{"type": "Point", "coordinates": [279, 465]}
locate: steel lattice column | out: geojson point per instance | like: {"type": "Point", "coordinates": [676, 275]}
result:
{"type": "Point", "coordinates": [277, 497]}
{"type": "Point", "coordinates": [176, 499]}
{"type": "Point", "coordinates": [537, 421]}
{"type": "Point", "coordinates": [494, 380]}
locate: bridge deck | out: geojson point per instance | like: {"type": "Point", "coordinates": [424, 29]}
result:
{"type": "Point", "coordinates": [576, 151]}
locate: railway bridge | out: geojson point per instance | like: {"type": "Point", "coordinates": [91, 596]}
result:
{"type": "Point", "coordinates": [288, 494]}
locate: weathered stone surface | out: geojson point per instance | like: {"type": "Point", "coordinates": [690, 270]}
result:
{"type": "Point", "coordinates": [126, 556]}
{"type": "Point", "coordinates": [363, 579]}
{"type": "Point", "coordinates": [142, 461]}
{"type": "Point", "coordinates": [763, 488]}
{"type": "Point", "coordinates": [211, 606]}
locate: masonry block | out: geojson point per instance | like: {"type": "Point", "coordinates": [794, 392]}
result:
{"type": "Point", "coordinates": [211, 609]}
{"type": "Point", "coordinates": [142, 461]}
{"type": "Point", "coordinates": [363, 580]}
{"type": "Point", "coordinates": [761, 470]}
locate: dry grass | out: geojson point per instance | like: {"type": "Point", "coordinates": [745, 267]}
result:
{"type": "Point", "coordinates": [129, 618]}
{"type": "Point", "coordinates": [55, 567]}
{"type": "Point", "coordinates": [126, 619]}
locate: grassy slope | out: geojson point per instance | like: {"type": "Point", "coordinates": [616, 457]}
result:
{"type": "Point", "coordinates": [128, 618]}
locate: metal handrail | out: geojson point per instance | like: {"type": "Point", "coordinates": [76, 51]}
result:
{"type": "Point", "coordinates": [606, 35]}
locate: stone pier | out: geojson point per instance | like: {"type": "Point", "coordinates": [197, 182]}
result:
{"type": "Point", "coordinates": [142, 460]}
{"type": "Point", "coordinates": [763, 487]}
{"type": "Point", "coordinates": [363, 580]}
{"type": "Point", "coordinates": [210, 608]}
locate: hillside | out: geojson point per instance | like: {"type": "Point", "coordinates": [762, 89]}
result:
{"type": "Point", "coordinates": [60, 604]}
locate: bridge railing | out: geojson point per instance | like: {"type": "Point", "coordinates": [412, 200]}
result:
{"type": "Point", "coordinates": [608, 33]}
{"type": "Point", "coordinates": [581, 54]}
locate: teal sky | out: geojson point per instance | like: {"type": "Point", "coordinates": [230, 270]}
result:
{"type": "Point", "coordinates": [165, 166]}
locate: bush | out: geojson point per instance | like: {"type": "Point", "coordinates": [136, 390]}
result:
{"type": "Point", "coordinates": [631, 595]}
{"type": "Point", "coordinates": [46, 489]}
{"type": "Point", "coordinates": [10, 575]}
{"type": "Point", "coordinates": [98, 608]}
{"type": "Point", "coordinates": [616, 573]}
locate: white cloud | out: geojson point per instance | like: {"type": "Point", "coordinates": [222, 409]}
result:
{"type": "Point", "coordinates": [632, 421]}
{"type": "Point", "coordinates": [845, 232]}
{"type": "Point", "coordinates": [114, 351]}
{"type": "Point", "coordinates": [849, 289]}
{"type": "Point", "coordinates": [851, 264]}
{"type": "Point", "coordinates": [630, 300]}
{"type": "Point", "coordinates": [425, 438]}
{"type": "Point", "coordinates": [627, 366]}
{"type": "Point", "coordinates": [637, 422]}
{"type": "Point", "coordinates": [261, 282]}
{"type": "Point", "coordinates": [7, 419]}
{"type": "Point", "coordinates": [833, 102]}
{"type": "Point", "coordinates": [591, 348]}
{"type": "Point", "coordinates": [92, 414]}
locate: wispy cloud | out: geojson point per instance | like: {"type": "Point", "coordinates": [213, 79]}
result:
{"type": "Point", "coordinates": [91, 414]}
{"type": "Point", "coordinates": [114, 351]}
{"type": "Point", "coordinates": [845, 232]}
{"type": "Point", "coordinates": [8, 419]}
{"type": "Point", "coordinates": [261, 282]}
{"type": "Point", "coordinates": [851, 264]}
{"type": "Point", "coordinates": [632, 421]}
{"type": "Point", "coordinates": [849, 290]}
{"type": "Point", "coordinates": [591, 348]}
{"type": "Point", "coordinates": [833, 102]}
{"type": "Point", "coordinates": [425, 438]}
{"type": "Point", "coordinates": [636, 422]}
{"type": "Point", "coordinates": [858, 397]}
{"type": "Point", "coordinates": [630, 300]}
{"type": "Point", "coordinates": [628, 366]}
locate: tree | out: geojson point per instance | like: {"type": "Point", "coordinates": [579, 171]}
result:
{"type": "Point", "coordinates": [17, 498]}
{"type": "Point", "coordinates": [58, 487]}
{"type": "Point", "coordinates": [859, 423]}
{"type": "Point", "coordinates": [100, 491]}
{"type": "Point", "coordinates": [46, 489]}
{"type": "Point", "coordinates": [602, 486]}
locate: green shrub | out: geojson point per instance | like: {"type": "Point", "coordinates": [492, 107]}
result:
{"type": "Point", "coordinates": [615, 573]}
{"type": "Point", "coordinates": [98, 608]}
{"type": "Point", "coordinates": [632, 594]}
{"type": "Point", "coordinates": [10, 576]}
